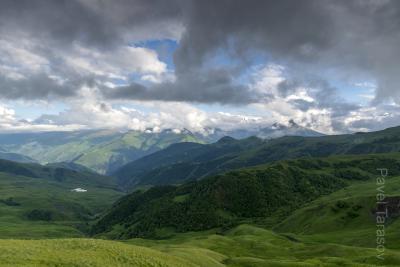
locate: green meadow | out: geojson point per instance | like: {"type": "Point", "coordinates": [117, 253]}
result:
{"type": "Point", "coordinates": [44, 223]}
{"type": "Point", "coordinates": [67, 211]}
{"type": "Point", "coordinates": [82, 252]}
{"type": "Point", "coordinates": [319, 234]}
{"type": "Point", "coordinates": [245, 245]}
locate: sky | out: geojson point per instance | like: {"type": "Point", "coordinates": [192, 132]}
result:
{"type": "Point", "coordinates": [331, 66]}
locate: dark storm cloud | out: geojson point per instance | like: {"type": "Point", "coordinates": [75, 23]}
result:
{"type": "Point", "coordinates": [286, 27]}
{"type": "Point", "coordinates": [211, 87]}
{"type": "Point", "coordinates": [94, 22]}
{"type": "Point", "coordinates": [351, 36]}
{"type": "Point", "coordinates": [326, 96]}
{"type": "Point", "coordinates": [36, 87]}
{"type": "Point", "coordinates": [52, 28]}
{"type": "Point", "coordinates": [288, 87]}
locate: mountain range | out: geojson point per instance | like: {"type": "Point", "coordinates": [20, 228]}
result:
{"type": "Point", "coordinates": [100, 150]}
{"type": "Point", "coordinates": [264, 194]}
{"type": "Point", "coordinates": [273, 131]}
{"type": "Point", "coordinates": [234, 202]}
{"type": "Point", "coordinates": [188, 161]}
{"type": "Point", "coordinates": [104, 151]}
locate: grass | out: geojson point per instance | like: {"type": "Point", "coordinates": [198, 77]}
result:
{"type": "Point", "coordinates": [333, 230]}
{"type": "Point", "coordinates": [338, 229]}
{"type": "Point", "coordinates": [322, 221]}
{"type": "Point", "coordinates": [69, 209]}
{"type": "Point", "coordinates": [82, 252]}
{"type": "Point", "coordinates": [248, 245]}
{"type": "Point", "coordinates": [245, 245]}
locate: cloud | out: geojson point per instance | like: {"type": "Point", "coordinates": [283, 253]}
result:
{"type": "Point", "coordinates": [52, 49]}
{"type": "Point", "coordinates": [29, 71]}
{"type": "Point", "coordinates": [116, 64]}
{"type": "Point", "coordinates": [10, 123]}
{"type": "Point", "coordinates": [311, 102]}
{"type": "Point", "coordinates": [91, 111]}
{"type": "Point", "coordinates": [215, 86]}
{"type": "Point", "coordinates": [352, 37]}
{"type": "Point", "coordinates": [278, 56]}
{"type": "Point", "coordinates": [99, 24]}
{"type": "Point", "coordinates": [300, 101]}
{"type": "Point", "coordinates": [309, 36]}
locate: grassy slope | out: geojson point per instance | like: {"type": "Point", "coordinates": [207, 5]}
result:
{"type": "Point", "coordinates": [69, 209]}
{"type": "Point", "coordinates": [82, 252]}
{"type": "Point", "coordinates": [291, 147]}
{"type": "Point", "coordinates": [317, 236]}
{"type": "Point", "coordinates": [244, 246]}
{"type": "Point", "coordinates": [323, 221]}
{"type": "Point", "coordinates": [57, 173]}
{"type": "Point", "coordinates": [15, 157]}
{"type": "Point", "coordinates": [182, 165]}
{"type": "Point", "coordinates": [264, 194]}
{"type": "Point", "coordinates": [182, 162]}
{"type": "Point", "coordinates": [248, 245]}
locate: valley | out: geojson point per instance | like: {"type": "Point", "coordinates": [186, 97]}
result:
{"type": "Point", "coordinates": [240, 208]}
{"type": "Point", "coordinates": [102, 151]}
{"type": "Point", "coordinates": [199, 133]}
{"type": "Point", "coordinates": [39, 202]}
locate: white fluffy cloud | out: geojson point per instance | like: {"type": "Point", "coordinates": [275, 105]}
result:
{"type": "Point", "coordinates": [119, 63]}
{"type": "Point", "coordinates": [92, 111]}
{"type": "Point", "coordinates": [6, 115]}
{"type": "Point", "coordinates": [285, 106]}
{"type": "Point", "coordinates": [32, 70]}
{"type": "Point", "coordinates": [18, 59]}
{"type": "Point", "coordinates": [10, 123]}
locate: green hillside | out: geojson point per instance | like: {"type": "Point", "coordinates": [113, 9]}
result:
{"type": "Point", "coordinates": [263, 194]}
{"type": "Point", "coordinates": [182, 162]}
{"type": "Point", "coordinates": [244, 245]}
{"type": "Point", "coordinates": [16, 157]}
{"type": "Point", "coordinates": [70, 165]}
{"type": "Point", "coordinates": [57, 173]}
{"type": "Point", "coordinates": [304, 212]}
{"type": "Point", "coordinates": [38, 201]}
{"type": "Point", "coordinates": [348, 215]}
{"type": "Point", "coordinates": [100, 150]}
{"type": "Point", "coordinates": [178, 164]}
{"type": "Point", "coordinates": [251, 246]}
{"type": "Point", "coordinates": [384, 141]}
{"type": "Point", "coordinates": [309, 211]}
{"type": "Point", "coordinates": [82, 252]}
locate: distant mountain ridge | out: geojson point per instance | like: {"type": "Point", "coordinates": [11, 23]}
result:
{"type": "Point", "coordinates": [105, 151]}
{"type": "Point", "coordinates": [178, 164]}
{"type": "Point", "coordinates": [16, 157]}
{"type": "Point", "coordinates": [100, 150]}
{"type": "Point", "coordinates": [183, 162]}
{"type": "Point", "coordinates": [56, 174]}
{"type": "Point", "coordinates": [275, 130]}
